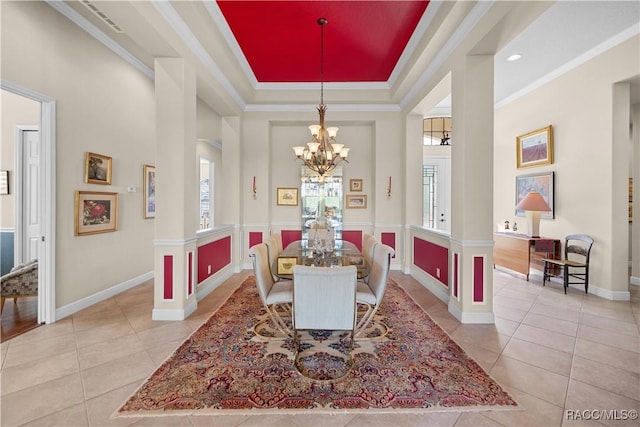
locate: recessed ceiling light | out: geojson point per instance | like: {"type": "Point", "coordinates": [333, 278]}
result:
{"type": "Point", "coordinates": [514, 57]}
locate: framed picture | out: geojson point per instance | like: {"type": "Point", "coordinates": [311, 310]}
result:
{"type": "Point", "coordinates": [356, 201]}
{"type": "Point", "coordinates": [355, 185]}
{"type": "Point", "coordinates": [287, 196]}
{"type": "Point", "coordinates": [149, 184]}
{"type": "Point", "coordinates": [95, 212]}
{"type": "Point", "coordinates": [535, 148]}
{"type": "Point", "coordinates": [285, 265]}
{"type": "Point", "coordinates": [356, 260]}
{"type": "Point", "coordinates": [97, 169]}
{"type": "Point", "coordinates": [4, 182]}
{"type": "Point", "coordinates": [542, 183]}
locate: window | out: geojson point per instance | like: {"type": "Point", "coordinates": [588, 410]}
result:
{"type": "Point", "coordinates": [429, 193]}
{"type": "Point", "coordinates": [206, 194]}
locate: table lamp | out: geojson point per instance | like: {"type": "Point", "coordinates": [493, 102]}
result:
{"type": "Point", "coordinates": [533, 204]}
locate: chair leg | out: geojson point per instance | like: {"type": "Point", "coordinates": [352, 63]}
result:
{"type": "Point", "coordinates": [545, 272]}
{"type": "Point", "coordinates": [2, 306]}
{"type": "Point", "coordinates": [586, 280]}
{"type": "Point", "coordinates": [566, 278]}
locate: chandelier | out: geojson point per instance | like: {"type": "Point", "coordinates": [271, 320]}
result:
{"type": "Point", "coordinates": [322, 154]}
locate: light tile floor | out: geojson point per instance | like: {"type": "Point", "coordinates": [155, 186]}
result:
{"type": "Point", "coordinates": [554, 353]}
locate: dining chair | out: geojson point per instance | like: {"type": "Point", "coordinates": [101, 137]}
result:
{"type": "Point", "coordinates": [575, 265]}
{"type": "Point", "coordinates": [277, 237]}
{"type": "Point", "coordinates": [324, 298]}
{"type": "Point", "coordinates": [370, 294]}
{"type": "Point", "coordinates": [369, 243]}
{"type": "Point", "coordinates": [272, 251]}
{"type": "Point", "coordinates": [277, 297]}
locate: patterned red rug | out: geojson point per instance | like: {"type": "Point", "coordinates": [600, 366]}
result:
{"type": "Point", "coordinates": [225, 367]}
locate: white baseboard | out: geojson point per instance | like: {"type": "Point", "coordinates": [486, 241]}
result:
{"type": "Point", "coordinates": [212, 282]}
{"type": "Point", "coordinates": [431, 284]}
{"type": "Point", "coordinates": [634, 281]}
{"type": "Point", "coordinates": [83, 303]}
{"type": "Point", "coordinates": [597, 291]}
{"type": "Point", "coordinates": [471, 317]}
{"type": "Point", "coordinates": [174, 314]}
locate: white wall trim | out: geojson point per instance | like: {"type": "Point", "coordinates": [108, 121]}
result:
{"type": "Point", "coordinates": [470, 317]}
{"type": "Point", "coordinates": [175, 314]}
{"type": "Point", "coordinates": [47, 263]}
{"type": "Point", "coordinates": [473, 243]}
{"type": "Point", "coordinates": [634, 281]}
{"type": "Point", "coordinates": [595, 290]}
{"type": "Point", "coordinates": [81, 22]}
{"type": "Point", "coordinates": [345, 108]}
{"type": "Point", "coordinates": [175, 242]}
{"type": "Point", "coordinates": [85, 302]}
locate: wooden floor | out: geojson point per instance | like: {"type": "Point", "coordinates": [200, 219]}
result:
{"type": "Point", "coordinates": [19, 317]}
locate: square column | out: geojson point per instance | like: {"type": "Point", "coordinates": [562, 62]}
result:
{"type": "Point", "coordinates": [177, 192]}
{"type": "Point", "coordinates": [472, 191]}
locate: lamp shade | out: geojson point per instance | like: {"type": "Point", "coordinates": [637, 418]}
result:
{"type": "Point", "coordinates": [533, 202]}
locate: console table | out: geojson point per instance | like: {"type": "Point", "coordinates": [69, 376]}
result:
{"type": "Point", "coordinates": [518, 252]}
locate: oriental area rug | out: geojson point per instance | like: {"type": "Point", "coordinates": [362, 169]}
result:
{"type": "Point", "coordinates": [235, 363]}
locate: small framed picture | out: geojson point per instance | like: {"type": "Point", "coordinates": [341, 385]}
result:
{"type": "Point", "coordinates": [97, 169]}
{"type": "Point", "coordinates": [285, 265]}
{"type": "Point", "coordinates": [356, 201]}
{"type": "Point", "coordinates": [535, 148]}
{"type": "Point", "coordinates": [95, 212]}
{"type": "Point", "coordinates": [4, 182]}
{"type": "Point", "coordinates": [149, 184]}
{"type": "Point", "coordinates": [287, 196]}
{"type": "Point", "coordinates": [356, 260]}
{"type": "Point", "coordinates": [355, 185]}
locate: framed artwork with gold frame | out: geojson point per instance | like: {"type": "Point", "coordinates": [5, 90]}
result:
{"type": "Point", "coordinates": [285, 265]}
{"type": "Point", "coordinates": [355, 185]}
{"type": "Point", "coordinates": [95, 212]}
{"type": "Point", "coordinates": [356, 201]}
{"type": "Point", "coordinates": [149, 185]}
{"type": "Point", "coordinates": [535, 148]}
{"type": "Point", "coordinates": [97, 169]}
{"type": "Point", "coordinates": [287, 196]}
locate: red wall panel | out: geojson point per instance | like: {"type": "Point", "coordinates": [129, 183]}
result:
{"type": "Point", "coordinates": [289, 236]}
{"type": "Point", "coordinates": [168, 277]}
{"type": "Point", "coordinates": [353, 236]}
{"type": "Point", "coordinates": [478, 279]}
{"type": "Point", "coordinates": [389, 239]}
{"type": "Point", "coordinates": [215, 254]}
{"type": "Point", "coordinates": [430, 257]}
{"type": "Point", "coordinates": [255, 237]}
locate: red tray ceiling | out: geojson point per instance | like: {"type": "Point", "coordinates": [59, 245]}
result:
{"type": "Point", "coordinates": [363, 40]}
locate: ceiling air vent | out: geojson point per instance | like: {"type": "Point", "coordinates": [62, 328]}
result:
{"type": "Point", "coordinates": [102, 16]}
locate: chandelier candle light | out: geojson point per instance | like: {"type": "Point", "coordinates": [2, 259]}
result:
{"type": "Point", "coordinates": [322, 154]}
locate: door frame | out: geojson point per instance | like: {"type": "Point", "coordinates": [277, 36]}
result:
{"type": "Point", "coordinates": [47, 199]}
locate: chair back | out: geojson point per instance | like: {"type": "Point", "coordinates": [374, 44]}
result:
{"type": "Point", "coordinates": [572, 246]}
{"type": "Point", "coordinates": [272, 251]}
{"type": "Point", "coordinates": [277, 237]}
{"type": "Point", "coordinates": [368, 247]}
{"type": "Point", "coordinates": [324, 297]}
{"type": "Point", "coordinates": [379, 272]}
{"type": "Point", "coordinates": [262, 270]}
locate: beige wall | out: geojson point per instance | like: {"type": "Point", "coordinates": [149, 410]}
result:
{"type": "Point", "coordinates": [579, 106]}
{"type": "Point", "coordinates": [16, 111]}
{"type": "Point", "coordinates": [103, 105]}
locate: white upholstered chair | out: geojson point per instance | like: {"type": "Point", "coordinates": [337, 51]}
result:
{"type": "Point", "coordinates": [277, 237]}
{"type": "Point", "coordinates": [272, 250]}
{"type": "Point", "coordinates": [369, 243]}
{"type": "Point", "coordinates": [370, 294]}
{"type": "Point", "coordinates": [324, 298]}
{"type": "Point", "coordinates": [277, 297]}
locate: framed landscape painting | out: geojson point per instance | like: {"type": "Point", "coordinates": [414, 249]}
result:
{"type": "Point", "coordinates": [97, 169]}
{"type": "Point", "coordinates": [535, 148]}
{"type": "Point", "coordinates": [356, 201]}
{"type": "Point", "coordinates": [95, 212]}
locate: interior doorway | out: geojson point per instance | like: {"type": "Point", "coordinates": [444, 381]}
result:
{"type": "Point", "coordinates": [34, 228]}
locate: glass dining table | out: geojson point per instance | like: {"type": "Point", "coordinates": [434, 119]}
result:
{"type": "Point", "coordinates": [300, 252]}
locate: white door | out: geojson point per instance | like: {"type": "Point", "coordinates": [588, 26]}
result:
{"type": "Point", "coordinates": [31, 152]}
